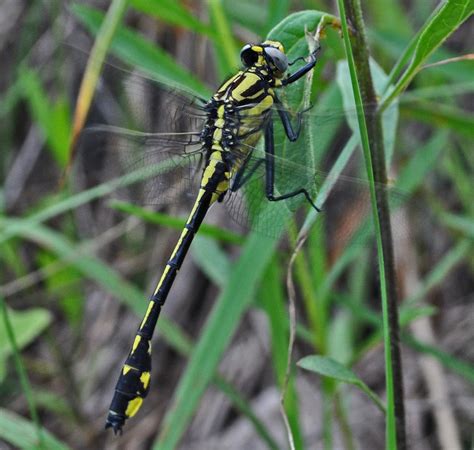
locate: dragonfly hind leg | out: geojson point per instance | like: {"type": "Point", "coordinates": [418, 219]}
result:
{"type": "Point", "coordinates": [270, 172]}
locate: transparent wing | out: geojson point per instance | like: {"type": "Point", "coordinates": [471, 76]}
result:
{"type": "Point", "coordinates": [345, 207]}
{"type": "Point", "coordinates": [148, 169]}
{"type": "Point", "coordinates": [141, 135]}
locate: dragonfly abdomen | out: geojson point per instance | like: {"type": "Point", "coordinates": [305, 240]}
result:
{"type": "Point", "coordinates": [134, 380]}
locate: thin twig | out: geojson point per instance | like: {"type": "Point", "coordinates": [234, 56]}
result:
{"type": "Point", "coordinates": [290, 286]}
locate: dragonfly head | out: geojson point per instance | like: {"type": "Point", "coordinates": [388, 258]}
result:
{"type": "Point", "coordinates": [269, 54]}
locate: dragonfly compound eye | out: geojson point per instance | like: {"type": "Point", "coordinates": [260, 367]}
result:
{"type": "Point", "coordinates": [248, 55]}
{"type": "Point", "coordinates": [277, 58]}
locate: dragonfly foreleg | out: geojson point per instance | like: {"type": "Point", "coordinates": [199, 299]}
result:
{"type": "Point", "coordinates": [303, 70]}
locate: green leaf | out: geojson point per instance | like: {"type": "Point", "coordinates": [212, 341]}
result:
{"type": "Point", "coordinates": [21, 433]}
{"type": "Point", "coordinates": [330, 368]}
{"type": "Point", "coordinates": [442, 23]}
{"type": "Point", "coordinates": [141, 54]}
{"type": "Point", "coordinates": [27, 325]}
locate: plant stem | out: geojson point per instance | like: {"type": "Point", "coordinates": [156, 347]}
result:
{"type": "Point", "coordinates": [23, 376]}
{"type": "Point", "coordinates": [377, 156]}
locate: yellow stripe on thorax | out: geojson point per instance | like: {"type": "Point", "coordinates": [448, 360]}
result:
{"type": "Point", "coordinates": [222, 90]}
{"type": "Point", "coordinates": [249, 80]}
{"type": "Point", "coordinates": [260, 108]}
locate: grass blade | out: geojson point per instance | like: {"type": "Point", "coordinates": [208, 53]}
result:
{"type": "Point", "coordinates": [22, 375]}
{"type": "Point", "coordinates": [21, 433]}
{"type": "Point", "coordinates": [91, 76]}
{"type": "Point", "coordinates": [442, 23]}
{"type": "Point", "coordinates": [140, 53]}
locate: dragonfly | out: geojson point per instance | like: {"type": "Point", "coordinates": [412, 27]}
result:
{"type": "Point", "coordinates": [236, 117]}
{"type": "Point", "coordinates": [213, 154]}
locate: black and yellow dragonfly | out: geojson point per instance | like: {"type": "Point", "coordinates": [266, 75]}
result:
{"type": "Point", "coordinates": [235, 118]}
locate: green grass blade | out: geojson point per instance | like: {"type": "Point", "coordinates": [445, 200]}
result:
{"type": "Point", "coordinates": [248, 14]}
{"type": "Point", "coordinates": [442, 23]}
{"type": "Point", "coordinates": [437, 114]}
{"type": "Point", "coordinates": [226, 49]}
{"type": "Point", "coordinates": [272, 298]}
{"type": "Point", "coordinates": [211, 259]}
{"type": "Point", "coordinates": [462, 368]}
{"type": "Point", "coordinates": [62, 205]}
{"type": "Point", "coordinates": [21, 433]}
{"type": "Point", "coordinates": [135, 50]}
{"type": "Point", "coordinates": [166, 220]}
{"type": "Point", "coordinates": [246, 409]}
{"type": "Point", "coordinates": [53, 118]}
{"type": "Point", "coordinates": [26, 325]}
{"type": "Point", "coordinates": [90, 78]}
{"type": "Point", "coordinates": [22, 374]}
{"type": "Point", "coordinates": [93, 269]}
{"type": "Point", "coordinates": [277, 11]}
{"type": "Point", "coordinates": [174, 13]}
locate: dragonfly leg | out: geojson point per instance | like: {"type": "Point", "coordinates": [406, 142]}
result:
{"type": "Point", "coordinates": [303, 70]}
{"type": "Point", "coordinates": [291, 133]}
{"type": "Point", "coordinates": [270, 172]}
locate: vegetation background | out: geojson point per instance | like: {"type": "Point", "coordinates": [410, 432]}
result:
{"type": "Point", "coordinates": [71, 302]}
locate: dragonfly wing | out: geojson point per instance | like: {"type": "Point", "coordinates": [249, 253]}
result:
{"type": "Point", "coordinates": [344, 202]}
{"type": "Point", "coordinates": [132, 99]}
{"type": "Point", "coordinates": [147, 169]}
